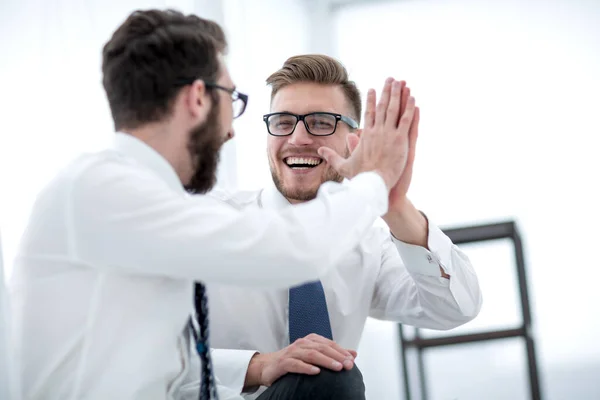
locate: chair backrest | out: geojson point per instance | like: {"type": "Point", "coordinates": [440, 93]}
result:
{"type": "Point", "coordinates": [8, 383]}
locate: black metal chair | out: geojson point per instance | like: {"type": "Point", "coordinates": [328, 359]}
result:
{"type": "Point", "coordinates": [473, 234]}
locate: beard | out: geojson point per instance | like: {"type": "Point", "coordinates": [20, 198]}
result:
{"type": "Point", "coordinates": [204, 147]}
{"type": "Point", "coordinates": [304, 193]}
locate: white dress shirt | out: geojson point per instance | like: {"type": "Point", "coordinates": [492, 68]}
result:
{"type": "Point", "coordinates": [381, 278]}
{"type": "Point", "coordinates": [102, 284]}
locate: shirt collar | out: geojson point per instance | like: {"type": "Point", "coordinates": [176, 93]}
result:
{"type": "Point", "coordinates": [141, 152]}
{"type": "Point", "coordinates": [270, 197]}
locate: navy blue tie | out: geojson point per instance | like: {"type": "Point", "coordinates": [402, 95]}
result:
{"type": "Point", "coordinates": [308, 311]}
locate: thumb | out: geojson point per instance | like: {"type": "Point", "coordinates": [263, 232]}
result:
{"type": "Point", "coordinates": [352, 141]}
{"type": "Point", "coordinates": [332, 158]}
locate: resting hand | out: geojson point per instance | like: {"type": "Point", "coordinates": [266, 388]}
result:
{"type": "Point", "coordinates": [304, 356]}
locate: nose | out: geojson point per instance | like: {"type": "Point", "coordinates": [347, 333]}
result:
{"type": "Point", "coordinates": [230, 135]}
{"type": "Point", "coordinates": [300, 137]}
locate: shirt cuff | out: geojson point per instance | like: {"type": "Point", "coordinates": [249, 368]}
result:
{"type": "Point", "coordinates": [231, 367]}
{"type": "Point", "coordinates": [419, 260]}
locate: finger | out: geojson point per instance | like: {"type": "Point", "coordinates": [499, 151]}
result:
{"type": "Point", "coordinates": [413, 134]}
{"type": "Point", "coordinates": [393, 110]}
{"type": "Point", "coordinates": [329, 343]}
{"type": "Point", "coordinates": [370, 109]}
{"type": "Point", "coordinates": [384, 100]}
{"type": "Point", "coordinates": [407, 118]}
{"type": "Point", "coordinates": [404, 99]}
{"type": "Point", "coordinates": [337, 162]}
{"type": "Point", "coordinates": [354, 353]}
{"type": "Point", "coordinates": [295, 366]}
{"type": "Point", "coordinates": [317, 357]}
{"type": "Point", "coordinates": [340, 355]}
{"type": "Point", "coordinates": [352, 141]}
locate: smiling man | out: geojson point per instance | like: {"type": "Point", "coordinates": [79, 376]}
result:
{"type": "Point", "coordinates": [299, 343]}
{"type": "Point", "coordinates": [297, 169]}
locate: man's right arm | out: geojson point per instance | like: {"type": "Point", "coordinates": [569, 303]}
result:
{"type": "Point", "coordinates": [125, 219]}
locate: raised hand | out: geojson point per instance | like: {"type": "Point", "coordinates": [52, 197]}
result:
{"type": "Point", "coordinates": [304, 356]}
{"type": "Point", "coordinates": [405, 221]}
{"type": "Point", "coordinates": [383, 145]}
{"type": "Point", "coordinates": [398, 193]}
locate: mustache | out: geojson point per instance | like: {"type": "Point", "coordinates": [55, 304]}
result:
{"type": "Point", "coordinates": [296, 151]}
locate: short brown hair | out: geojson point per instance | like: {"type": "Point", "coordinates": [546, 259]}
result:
{"type": "Point", "coordinates": [149, 55]}
{"type": "Point", "coordinates": [316, 68]}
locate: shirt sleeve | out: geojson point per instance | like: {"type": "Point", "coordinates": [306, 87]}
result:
{"type": "Point", "coordinates": [411, 290]}
{"type": "Point", "coordinates": [229, 366]}
{"type": "Point", "coordinates": [127, 219]}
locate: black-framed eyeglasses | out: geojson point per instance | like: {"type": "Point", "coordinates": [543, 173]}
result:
{"type": "Point", "coordinates": [239, 100]}
{"type": "Point", "coordinates": [316, 123]}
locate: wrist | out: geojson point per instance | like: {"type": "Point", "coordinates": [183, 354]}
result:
{"type": "Point", "coordinates": [254, 373]}
{"type": "Point", "coordinates": [400, 211]}
{"type": "Point", "coordinates": [406, 223]}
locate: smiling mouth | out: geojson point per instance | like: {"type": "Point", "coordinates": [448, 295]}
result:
{"type": "Point", "coordinates": [302, 162]}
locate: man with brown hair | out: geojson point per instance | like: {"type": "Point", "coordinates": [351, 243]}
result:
{"type": "Point", "coordinates": [104, 277]}
{"type": "Point", "coordinates": [300, 341]}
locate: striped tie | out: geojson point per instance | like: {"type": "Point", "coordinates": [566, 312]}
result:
{"type": "Point", "coordinates": [208, 390]}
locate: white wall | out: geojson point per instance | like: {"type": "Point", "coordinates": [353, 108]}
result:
{"type": "Point", "coordinates": [267, 32]}
{"type": "Point", "coordinates": [509, 129]}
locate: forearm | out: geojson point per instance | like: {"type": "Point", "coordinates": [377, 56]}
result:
{"type": "Point", "coordinates": [168, 233]}
{"type": "Point", "coordinates": [408, 224]}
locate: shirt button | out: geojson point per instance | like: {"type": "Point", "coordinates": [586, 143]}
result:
{"type": "Point", "coordinates": [429, 258]}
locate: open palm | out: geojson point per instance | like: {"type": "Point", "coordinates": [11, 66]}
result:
{"type": "Point", "coordinates": [398, 193]}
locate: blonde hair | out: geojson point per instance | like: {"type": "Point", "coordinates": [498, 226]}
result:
{"type": "Point", "coordinates": [317, 68]}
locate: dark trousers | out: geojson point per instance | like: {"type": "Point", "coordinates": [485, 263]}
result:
{"type": "Point", "coordinates": [327, 385]}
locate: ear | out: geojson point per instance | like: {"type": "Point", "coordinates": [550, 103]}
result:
{"type": "Point", "coordinates": [359, 132]}
{"type": "Point", "coordinates": [196, 99]}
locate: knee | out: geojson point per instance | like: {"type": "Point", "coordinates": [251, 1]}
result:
{"type": "Point", "coordinates": [346, 384]}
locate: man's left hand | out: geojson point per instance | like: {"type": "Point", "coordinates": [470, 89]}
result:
{"type": "Point", "coordinates": [405, 221]}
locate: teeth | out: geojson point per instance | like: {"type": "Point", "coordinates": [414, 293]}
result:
{"type": "Point", "coordinates": [301, 160]}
